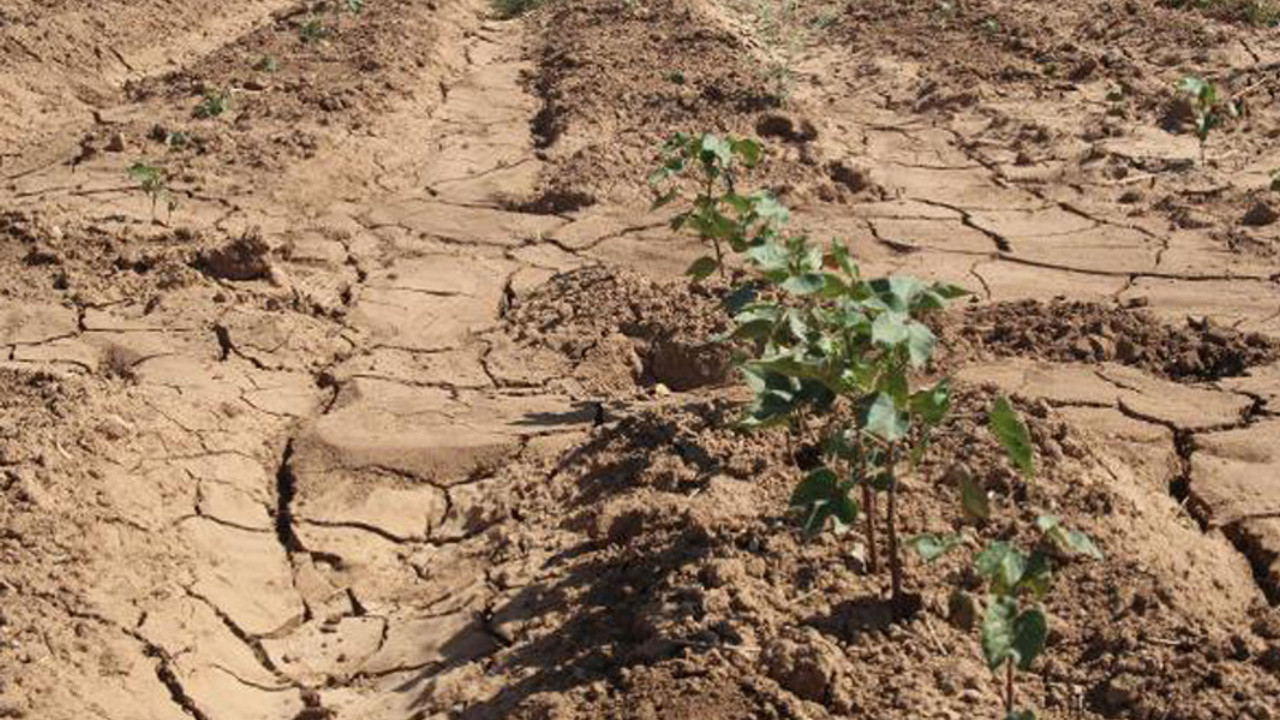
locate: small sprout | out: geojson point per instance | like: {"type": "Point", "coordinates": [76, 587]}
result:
{"type": "Point", "coordinates": [355, 7]}
{"type": "Point", "coordinates": [1208, 110]}
{"type": "Point", "coordinates": [267, 64]}
{"type": "Point", "coordinates": [154, 182]}
{"type": "Point", "coordinates": [1275, 180]}
{"type": "Point", "coordinates": [214, 103]}
{"type": "Point", "coordinates": [313, 31]}
{"type": "Point", "coordinates": [676, 77]}
{"type": "Point", "coordinates": [719, 215]}
{"type": "Point", "coordinates": [1014, 634]}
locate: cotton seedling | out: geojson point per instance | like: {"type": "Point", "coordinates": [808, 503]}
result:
{"type": "Point", "coordinates": [820, 344]}
{"type": "Point", "coordinates": [154, 182]}
{"type": "Point", "coordinates": [830, 348]}
{"type": "Point", "coordinates": [823, 347]}
{"type": "Point", "coordinates": [1015, 627]}
{"type": "Point", "coordinates": [722, 218]}
{"type": "Point", "coordinates": [1208, 109]}
{"type": "Point", "coordinates": [1275, 180]}
{"type": "Point", "coordinates": [313, 31]}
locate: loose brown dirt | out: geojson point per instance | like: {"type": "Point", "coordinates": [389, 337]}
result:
{"type": "Point", "coordinates": [393, 401]}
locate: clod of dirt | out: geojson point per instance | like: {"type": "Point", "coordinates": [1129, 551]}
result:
{"type": "Point", "coordinates": [619, 328]}
{"type": "Point", "coordinates": [1084, 331]}
{"type": "Point", "coordinates": [1262, 213]}
{"type": "Point", "coordinates": [854, 178]}
{"type": "Point", "coordinates": [786, 128]}
{"type": "Point", "coordinates": [807, 668]}
{"type": "Point", "coordinates": [244, 258]}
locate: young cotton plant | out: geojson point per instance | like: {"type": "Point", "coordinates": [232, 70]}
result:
{"type": "Point", "coordinates": [154, 182]}
{"type": "Point", "coordinates": [829, 347]}
{"type": "Point", "coordinates": [1208, 109]}
{"type": "Point", "coordinates": [721, 217]}
{"type": "Point", "coordinates": [1015, 626]}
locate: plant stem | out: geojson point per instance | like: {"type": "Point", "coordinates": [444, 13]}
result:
{"type": "Point", "coordinates": [873, 552]}
{"type": "Point", "coordinates": [1008, 687]}
{"type": "Point", "coordinates": [869, 507]}
{"type": "Point", "coordinates": [895, 560]}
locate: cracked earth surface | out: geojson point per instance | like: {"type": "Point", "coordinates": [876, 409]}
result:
{"type": "Point", "coordinates": [402, 410]}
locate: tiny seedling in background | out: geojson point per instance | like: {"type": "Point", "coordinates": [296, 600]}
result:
{"type": "Point", "coordinates": [719, 215]}
{"type": "Point", "coordinates": [214, 103]}
{"type": "Point", "coordinates": [267, 64]}
{"type": "Point", "coordinates": [776, 27]}
{"type": "Point", "coordinates": [355, 7]}
{"type": "Point", "coordinates": [1275, 180]}
{"type": "Point", "coordinates": [313, 31]}
{"type": "Point", "coordinates": [1208, 110]}
{"type": "Point", "coordinates": [154, 182]}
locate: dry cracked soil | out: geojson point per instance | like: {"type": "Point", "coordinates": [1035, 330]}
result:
{"type": "Point", "coordinates": [391, 402]}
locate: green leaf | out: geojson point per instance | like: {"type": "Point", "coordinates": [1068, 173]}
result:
{"type": "Point", "coordinates": [821, 496]}
{"type": "Point", "coordinates": [1038, 577]}
{"type": "Point", "coordinates": [768, 209]}
{"type": "Point", "coordinates": [997, 630]}
{"type": "Point", "coordinates": [1021, 715]}
{"type": "Point", "coordinates": [973, 499]}
{"type": "Point", "coordinates": [1201, 89]}
{"type": "Point", "coordinates": [931, 547]}
{"type": "Point", "coordinates": [844, 260]}
{"type": "Point", "coordinates": [748, 150]}
{"type": "Point", "coordinates": [889, 329]}
{"type": "Point", "coordinates": [931, 404]}
{"type": "Point", "coordinates": [1012, 434]}
{"type": "Point", "coordinates": [1003, 565]}
{"type": "Point", "coordinates": [1030, 633]}
{"type": "Point", "coordinates": [716, 149]}
{"type": "Point", "coordinates": [805, 284]}
{"type": "Point", "coordinates": [885, 420]}
{"type": "Point", "coordinates": [920, 343]}
{"type": "Point", "coordinates": [737, 300]}
{"type": "Point", "coordinates": [1072, 542]}
{"type": "Point", "coordinates": [1010, 636]}
{"type": "Point", "coordinates": [702, 267]}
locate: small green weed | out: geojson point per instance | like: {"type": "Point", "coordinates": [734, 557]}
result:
{"type": "Point", "coordinates": [267, 64]}
{"type": "Point", "coordinates": [213, 104]}
{"type": "Point", "coordinates": [314, 31]}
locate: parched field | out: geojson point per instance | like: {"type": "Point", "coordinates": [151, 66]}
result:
{"type": "Point", "coordinates": [347, 371]}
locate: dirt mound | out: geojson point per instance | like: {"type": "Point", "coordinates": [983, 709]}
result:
{"type": "Point", "coordinates": [618, 329]}
{"type": "Point", "coordinates": [687, 581]}
{"type": "Point", "coordinates": [618, 78]}
{"type": "Point", "coordinates": [1091, 332]}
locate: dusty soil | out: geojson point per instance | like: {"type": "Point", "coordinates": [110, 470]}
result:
{"type": "Point", "coordinates": [391, 401]}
